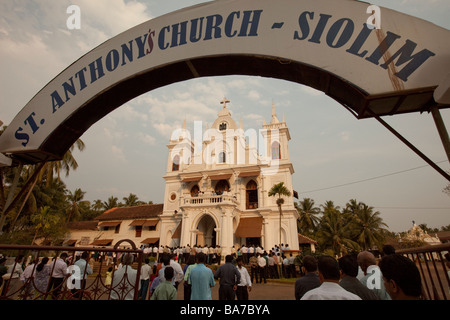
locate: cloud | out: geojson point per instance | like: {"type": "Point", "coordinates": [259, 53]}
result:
{"type": "Point", "coordinates": [254, 95]}
{"type": "Point", "coordinates": [34, 34]}
{"type": "Point", "coordinates": [147, 139]}
{"type": "Point", "coordinates": [118, 153]}
{"type": "Point", "coordinates": [344, 135]}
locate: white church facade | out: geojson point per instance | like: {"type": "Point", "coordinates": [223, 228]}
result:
{"type": "Point", "coordinates": [216, 193]}
{"type": "Point", "coordinates": [217, 187]}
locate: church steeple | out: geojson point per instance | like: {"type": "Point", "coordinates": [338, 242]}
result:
{"type": "Point", "coordinates": [224, 120]}
{"type": "Point", "coordinates": [274, 115]}
{"type": "Point", "coordinates": [224, 102]}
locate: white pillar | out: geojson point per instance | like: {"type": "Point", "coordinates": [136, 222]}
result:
{"type": "Point", "coordinates": [226, 230]}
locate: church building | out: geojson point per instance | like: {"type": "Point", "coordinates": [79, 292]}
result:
{"type": "Point", "coordinates": [217, 184]}
{"type": "Point", "coordinates": [216, 193]}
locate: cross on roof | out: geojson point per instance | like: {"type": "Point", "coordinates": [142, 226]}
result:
{"type": "Point", "coordinates": [224, 102]}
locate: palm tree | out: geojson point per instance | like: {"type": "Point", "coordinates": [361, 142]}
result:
{"type": "Point", "coordinates": [334, 233]}
{"type": "Point", "coordinates": [131, 201]}
{"type": "Point", "coordinates": [308, 219]}
{"type": "Point", "coordinates": [76, 199]}
{"type": "Point", "coordinates": [98, 205]}
{"type": "Point", "coordinates": [67, 163]}
{"type": "Point", "coordinates": [369, 227]}
{"type": "Point", "coordinates": [111, 203]}
{"type": "Point", "coordinates": [45, 221]}
{"type": "Point", "coordinates": [279, 190]}
{"type": "Point", "coordinates": [36, 174]}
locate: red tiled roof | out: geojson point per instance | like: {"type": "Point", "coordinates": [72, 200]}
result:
{"type": "Point", "coordinates": [144, 211]}
{"type": "Point", "coordinates": [304, 239]}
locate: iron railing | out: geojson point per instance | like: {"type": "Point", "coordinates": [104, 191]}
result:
{"type": "Point", "coordinates": [430, 261]}
{"type": "Point", "coordinates": [94, 287]}
{"type": "Point", "coordinates": [433, 270]}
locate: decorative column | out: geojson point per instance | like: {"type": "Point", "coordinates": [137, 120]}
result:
{"type": "Point", "coordinates": [226, 234]}
{"type": "Point", "coordinates": [184, 238]}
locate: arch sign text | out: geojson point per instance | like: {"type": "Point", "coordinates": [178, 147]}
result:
{"type": "Point", "coordinates": [397, 64]}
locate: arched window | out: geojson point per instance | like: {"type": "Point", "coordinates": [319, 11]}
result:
{"type": "Point", "coordinates": [223, 126]}
{"type": "Point", "coordinates": [222, 157]}
{"type": "Point", "coordinates": [195, 190]}
{"type": "Point", "coordinates": [276, 150]}
{"type": "Point", "coordinates": [222, 186]}
{"type": "Point", "coordinates": [251, 195]}
{"type": "Point", "coordinates": [176, 163]}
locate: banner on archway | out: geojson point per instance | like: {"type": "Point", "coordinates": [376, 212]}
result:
{"type": "Point", "coordinates": [398, 65]}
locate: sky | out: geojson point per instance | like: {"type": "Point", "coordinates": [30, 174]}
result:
{"type": "Point", "coordinates": [335, 156]}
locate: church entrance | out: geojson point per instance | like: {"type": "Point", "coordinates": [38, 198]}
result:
{"type": "Point", "coordinates": [253, 242]}
{"type": "Point", "coordinates": [206, 233]}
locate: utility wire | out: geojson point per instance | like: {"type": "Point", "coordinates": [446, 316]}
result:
{"type": "Point", "coordinates": [415, 208]}
{"type": "Point", "coordinates": [369, 179]}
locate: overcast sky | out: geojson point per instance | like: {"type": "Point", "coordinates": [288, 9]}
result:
{"type": "Point", "coordinates": [126, 151]}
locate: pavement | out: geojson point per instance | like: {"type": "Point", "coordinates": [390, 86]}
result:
{"type": "Point", "coordinates": [260, 291]}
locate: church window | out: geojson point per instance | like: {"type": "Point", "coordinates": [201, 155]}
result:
{"type": "Point", "coordinates": [176, 163]}
{"type": "Point", "coordinates": [222, 186]}
{"type": "Point", "coordinates": [222, 157]}
{"type": "Point", "coordinates": [195, 191]}
{"type": "Point", "coordinates": [276, 150]}
{"type": "Point", "coordinates": [251, 195]}
{"type": "Point", "coordinates": [223, 126]}
{"type": "Point", "coordinates": [138, 231]}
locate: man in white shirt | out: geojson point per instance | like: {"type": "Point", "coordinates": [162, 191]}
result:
{"type": "Point", "coordinates": [251, 251]}
{"type": "Point", "coordinates": [245, 284]}
{"type": "Point", "coordinates": [178, 271]}
{"type": "Point", "coordinates": [210, 254]}
{"type": "Point", "coordinates": [85, 269]}
{"type": "Point", "coordinates": [59, 273]}
{"type": "Point", "coordinates": [330, 289]}
{"type": "Point", "coordinates": [145, 279]}
{"type": "Point", "coordinates": [244, 251]}
{"type": "Point", "coordinates": [262, 268]}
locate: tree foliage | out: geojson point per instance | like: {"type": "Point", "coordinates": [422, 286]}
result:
{"type": "Point", "coordinates": [339, 231]}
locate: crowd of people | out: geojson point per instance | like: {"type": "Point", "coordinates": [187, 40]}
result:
{"type": "Point", "coordinates": [234, 279]}
{"type": "Point", "coordinates": [351, 277]}
{"type": "Point", "coordinates": [359, 277]}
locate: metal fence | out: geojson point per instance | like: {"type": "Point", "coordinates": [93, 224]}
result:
{"type": "Point", "coordinates": [430, 261]}
{"type": "Point", "coordinates": [433, 269]}
{"type": "Point", "coordinates": [76, 285]}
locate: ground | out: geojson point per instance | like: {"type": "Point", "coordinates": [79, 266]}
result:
{"type": "Point", "coordinates": [267, 291]}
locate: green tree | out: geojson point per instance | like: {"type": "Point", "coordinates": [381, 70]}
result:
{"type": "Point", "coordinates": [97, 205]}
{"type": "Point", "coordinates": [131, 201]}
{"type": "Point", "coordinates": [279, 190]}
{"type": "Point", "coordinates": [308, 216]}
{"type": "Point", "coordinates": [368, 227]}
{"type": "Point", "coordinates": [48, 225]}
{"type": "Point", "coordinates": [334, 234]}
{"type": "Point", "coordinates": [76, 208]}
{"type": "Point", "coordinates": [29, 177]}
{"type": "Point", "coordinates": [112, 202]}
{"type": "Point", "coordinates": [67, 163]}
